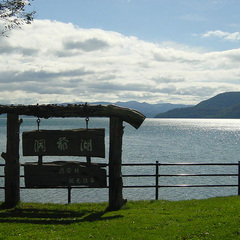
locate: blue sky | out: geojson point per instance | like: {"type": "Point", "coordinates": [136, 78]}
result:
{"type": "Point", "coordinates": [180, 21]}
{"type": "Point", "coordinates": [175, 51]}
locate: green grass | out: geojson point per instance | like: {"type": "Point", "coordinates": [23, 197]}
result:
{"type": "Point", "coordinates": [215, 218]}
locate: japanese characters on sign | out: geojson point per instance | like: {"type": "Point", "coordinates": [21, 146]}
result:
{"type": "Point", "coordinates": [75, 176]}
{"type": "Point", "coordinates": [79, 142]}
{"type": "Point", "coordinates": [40, 145]}
{"type": "Point", "coordinates": [64, 174]}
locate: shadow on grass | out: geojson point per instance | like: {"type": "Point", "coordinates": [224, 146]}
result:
{"type": "Point", "coordinates": [47, 216]}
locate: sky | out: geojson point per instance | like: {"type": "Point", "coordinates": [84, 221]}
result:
{"type": "Point", "coordinates": [154, 51]}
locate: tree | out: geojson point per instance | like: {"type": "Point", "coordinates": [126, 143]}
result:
{"type": "Point", "coordinates": [13, 14]}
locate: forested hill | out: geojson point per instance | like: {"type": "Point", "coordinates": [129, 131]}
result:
{"type": "Point", "coordinates": [224, 105]}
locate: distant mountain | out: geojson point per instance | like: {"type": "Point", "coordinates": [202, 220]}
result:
{"type": "Point", "coordinates": [224, 105]}
{"type": "Point", "coordinates": [149, 110]}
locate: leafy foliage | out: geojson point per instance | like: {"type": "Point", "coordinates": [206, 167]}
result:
{"type": "Point", "coordinates": [13, 14]}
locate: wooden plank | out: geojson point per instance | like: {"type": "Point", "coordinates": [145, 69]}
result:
{"type": "Point", "coordinates": [77, 142]}
{"type": "Point", "coordinates": [130, 116]}
{"type": "Point", "coordinates": [57, 174]}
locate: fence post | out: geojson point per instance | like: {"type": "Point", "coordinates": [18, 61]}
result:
{"type": "Point", "coordinates": [238, 177]}
{"type": "Point", "coordinates": [69, 195]}
{"type": "Point", "coordinates": [157, 172]}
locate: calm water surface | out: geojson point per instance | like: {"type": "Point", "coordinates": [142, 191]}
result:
{"type": "Point", "coordinates": [163, 140]}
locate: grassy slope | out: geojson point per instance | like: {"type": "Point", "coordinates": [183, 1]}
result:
{"type": "Point", "coordinates": [215, 218]}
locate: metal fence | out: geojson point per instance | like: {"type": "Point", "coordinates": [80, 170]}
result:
{"type": "Point", "coordinates": [158, 173]}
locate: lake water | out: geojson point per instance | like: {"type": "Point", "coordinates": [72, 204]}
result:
{"type": "Point", "coordinates": [163, 140]}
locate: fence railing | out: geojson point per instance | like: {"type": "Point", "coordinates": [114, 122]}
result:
{"type": "Point", "coordinates": [158, 173]}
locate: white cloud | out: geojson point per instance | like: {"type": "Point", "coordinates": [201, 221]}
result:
{"type": "Point", "coordinates": [234, 37]}
{"type": "Point", "coordinates": [54, 62]}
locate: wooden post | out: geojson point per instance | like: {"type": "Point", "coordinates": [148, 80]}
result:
{"type": "Point", "coordinates": [116, 200]}
{"type": "Point", "coordinates": [12, 166]}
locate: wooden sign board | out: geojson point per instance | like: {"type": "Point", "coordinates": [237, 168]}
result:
{"type": "Point", "coordinates": [77, 142]}
{"type": "Point", "coordinates": [57, 174]}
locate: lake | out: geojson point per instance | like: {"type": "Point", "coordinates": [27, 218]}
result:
{"type": "Point", "coordinates": [163, 140]}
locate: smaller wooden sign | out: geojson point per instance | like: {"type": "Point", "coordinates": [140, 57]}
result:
{"type": "Point", "coordinates": [57, 174]}
{"type": "Point", "coordinates": [76, 142]}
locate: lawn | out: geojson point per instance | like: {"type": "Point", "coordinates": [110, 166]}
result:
{"type": "Point", "coordinates": [214, 218]}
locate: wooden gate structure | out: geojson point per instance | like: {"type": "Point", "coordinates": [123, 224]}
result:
{"type": "Point", "coordinates": [116, 114]}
